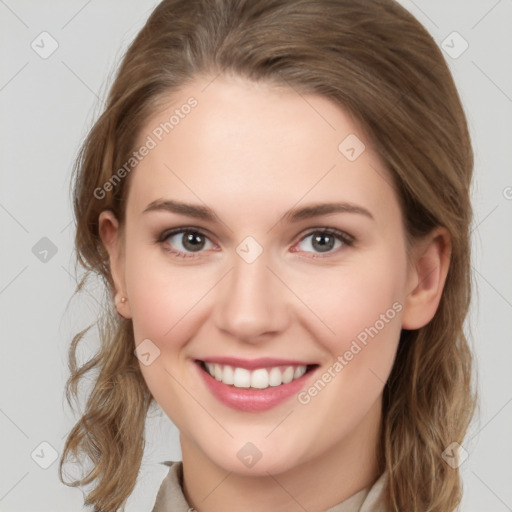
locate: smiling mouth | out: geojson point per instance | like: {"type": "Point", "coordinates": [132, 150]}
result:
{"type": "Point", "coordinates": [259, 378]}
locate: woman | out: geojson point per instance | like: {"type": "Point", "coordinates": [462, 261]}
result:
{"type": "Point", "coordinates": [277, 199]}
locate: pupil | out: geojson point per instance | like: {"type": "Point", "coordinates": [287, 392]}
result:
{"type": "Point", "coordinates": [323, 247]}
{"type": "Point", "coordinates": [193, 241]}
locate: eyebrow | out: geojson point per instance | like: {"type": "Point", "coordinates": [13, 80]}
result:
{"type": "Point", "coordinates": [293, 215]}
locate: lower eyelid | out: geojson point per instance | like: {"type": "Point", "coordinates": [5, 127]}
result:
{"type": "Point", "coordinates": [345, 238]}
{"type": "Point", "coordinates": [165, 236]}
{"type": "Point", "coordinates": [339, 235]}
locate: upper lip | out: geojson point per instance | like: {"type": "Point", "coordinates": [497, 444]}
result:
{"type": "Point", "coordinates": [251, 364]}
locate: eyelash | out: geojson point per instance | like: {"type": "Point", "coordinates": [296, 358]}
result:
{"type": "Point", "coordinates": [345, 238]}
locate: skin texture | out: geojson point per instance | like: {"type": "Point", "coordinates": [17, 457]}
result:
{"type": "Point", "coordinates": [251, 152]}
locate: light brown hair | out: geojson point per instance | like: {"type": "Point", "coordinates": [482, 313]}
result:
{"type": "Point", "coordinates": [374, 59]}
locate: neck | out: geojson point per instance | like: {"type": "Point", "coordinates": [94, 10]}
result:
{"type": "Point", "coordinates": [315, 484]}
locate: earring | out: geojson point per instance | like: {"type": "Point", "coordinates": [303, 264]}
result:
{"type": "Point", "coordinates": [118, 299]}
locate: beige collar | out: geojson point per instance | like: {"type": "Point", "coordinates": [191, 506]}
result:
{"type": "Point", "coordinates": [170, 497]}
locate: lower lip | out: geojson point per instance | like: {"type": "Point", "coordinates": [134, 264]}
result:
{"type": "Point", "coordinates": [249, 399]}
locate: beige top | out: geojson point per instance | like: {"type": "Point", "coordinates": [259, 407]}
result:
{"type": "Point", "coordinates": [170, 497]}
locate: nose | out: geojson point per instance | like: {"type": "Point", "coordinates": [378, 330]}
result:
{"type": "Point", "coordinates": [252, 301]}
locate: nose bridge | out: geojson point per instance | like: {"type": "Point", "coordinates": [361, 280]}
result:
{"type": "Point", "coordinates": [251, 303]}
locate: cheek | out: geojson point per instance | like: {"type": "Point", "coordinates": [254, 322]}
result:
{"type": "Point", "coordinates": [164, 299]}
{"type": "Point", "coordinates": [166, 304]}
{"type": "Point", "coordinates": [360, 308]}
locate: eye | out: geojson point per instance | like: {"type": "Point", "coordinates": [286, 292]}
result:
{"type": "Point", "coordinates": [184, 242]}
{"type": "Point", "coordinates": [190, 242]}
{"type": "Point", "coordinates": [324, 240]}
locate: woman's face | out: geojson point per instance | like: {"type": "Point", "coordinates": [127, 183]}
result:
{"type": "Point", "coordinates": [261, 275]}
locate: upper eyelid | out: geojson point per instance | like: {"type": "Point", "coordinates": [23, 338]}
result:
{"type": "Point", "coordinates": [343, 235]}
{"type": "Point", "coordinates": [166, 233]}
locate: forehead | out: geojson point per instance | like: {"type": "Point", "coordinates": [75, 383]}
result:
{"type": "Point", "coordinates": [236, 144]}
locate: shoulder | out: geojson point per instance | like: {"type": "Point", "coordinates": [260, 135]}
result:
{"type": "Point", "coordinates": [170, 494]}
{"type": "Point", "coordinates": [374, 501]}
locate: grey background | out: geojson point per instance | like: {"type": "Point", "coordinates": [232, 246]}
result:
{"type": "Point", "coordinates": [48, 105]}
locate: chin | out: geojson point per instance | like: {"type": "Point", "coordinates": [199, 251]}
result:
{"type": "Point", "coordinates": [253, 459]}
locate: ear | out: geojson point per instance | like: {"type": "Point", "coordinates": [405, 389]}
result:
{"type": "Point", "coordinates": [427, 276]}
{"type": "Point", "coordinates": [110, 234]}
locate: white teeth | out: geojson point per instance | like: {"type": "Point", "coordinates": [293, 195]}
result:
{"type": "Point", "coordinates": [299, 372]}
{"type": "Point", "coordinates": [228, 375]}
{"type": "Point", "coordinates": [275, 378]}
{"type": "Point", "coordinates": [260, 378]}
{"type": "Point", "coordinates": [288, 374]}
{"type": "Point", "coordinates": [241, 377]}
